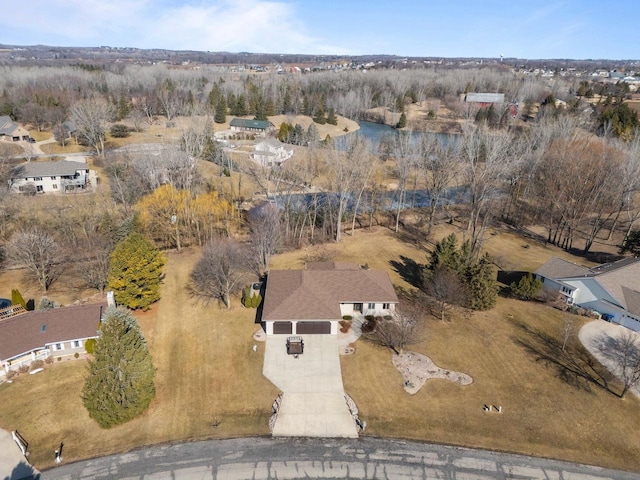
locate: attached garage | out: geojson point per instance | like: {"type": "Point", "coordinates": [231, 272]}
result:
{"type": "Point", "coordinates": [313, 328]}
{"type": "Point", "coordinates": [282, 328]}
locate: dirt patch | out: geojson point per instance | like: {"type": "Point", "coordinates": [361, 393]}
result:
{"type": "Point", "coordinates": [417, 368]}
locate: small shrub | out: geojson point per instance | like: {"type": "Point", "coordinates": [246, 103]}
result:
{"type": "Point", "coordinates": [119, 130]}
{"type": "Point", "coordinates": [45, 304]}
{"type": "Point", "coordinates": [11, 374]}
{"type": "Point", "coordinates": [48, 360]}
{"type": "Point", "coordinates": [369, 317]}
{"type": "Point", "coordinates": [369, 326]}
{"type": "Point", "coordinates": [387, 317]}
{"type": "Point", "coordinates": [347, 317]}
{"type": "Point", "coordinates": [59, 358]}
{"type": "Point", "coordinates": [37, 364]}
{"type": "Point", "coordinates": [90, 345]}
{"type": "Point", "coordinates": [23, 369]}
{"type": "Point", "coordinates": [76, 355]}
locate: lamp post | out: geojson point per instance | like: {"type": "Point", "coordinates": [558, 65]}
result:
{"type": "Point", "coordinates": [174, 221]}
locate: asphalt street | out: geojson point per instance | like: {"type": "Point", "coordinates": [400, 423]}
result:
{"type": "Point", "coordinates": [364, 458]}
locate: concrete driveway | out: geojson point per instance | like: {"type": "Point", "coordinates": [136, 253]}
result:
{"type": "Point", "coordinates": [313, 403]}
{"type": "Point", "coordinates": [13, 465]}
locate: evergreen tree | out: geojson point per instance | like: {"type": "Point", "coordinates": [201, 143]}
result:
{"type": "Point", "coordinates": [402, 122]}
{"type": "Point", "coordinates": [631, 244]}
{"type": "Point", "coordinates": [270, 107]}
{"type": "Point", "coordinates": [319, 116]}
{"type": "Point", "coordinates": [297, 136]}
{"type": "Point", "coordinates": [119, 386]}
{"type": "Point", "coordinates": [284, 134]}
{"type": "Point", "coordinates": [135, 272]}
{"type": "Point", "coordinates": [312, 133]}
{"type": "Point", "coordinates": [331, 117]}
{"type": "Point", "coordinates": [483, 286]}
{"type": "Point", "coordinates": [478, 276]}
{"type": "Point", "coordinates": [260, 111]}
{"type": "Point", "coordinates": [221, 110]}
{"type": "Point", "coordinates": [287, 106]}
{"type": "Point", "coordinates": [241, 106]}
{"type": "Point", "coordinates": [527, 287]}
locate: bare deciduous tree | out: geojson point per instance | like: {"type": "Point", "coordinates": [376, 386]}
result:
{"type": "Point", "coordinates": [264, 225]}
{"type": "Point", "coordinates": [397, 332]}
{"type": "Point", "coordinates": [90, 118]}
{"type": "Point", "coordinates": [446, 289]}
{"type": "Point", "coordinates": [220, 272]}
{"type": "Point", "coordinates": [39, 253]}
{"type": "Point", "coordinates": [627, 358]}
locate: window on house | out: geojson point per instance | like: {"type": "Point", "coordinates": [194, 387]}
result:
{"type": "Point", "coordinates": [371, 306]}
{"type": "Point", "coordinates": [77, 343]}
{"type": "Point", "coordinates": [37, 179]}
{"type": "Point", "coordinates": [43, 328]}
{"type": "Point", "coordinates": [53, 178]}
{"type": "Point", "coordinates": [39, 188]}
{"type": "Point", "coordinates": [55, 186]}
{"type": "Point", "coordinates": [385, 306]}
{"type": "Point", "coordinates": [357, 307]}
{"type": "Point", "coordinates": [58, 346]}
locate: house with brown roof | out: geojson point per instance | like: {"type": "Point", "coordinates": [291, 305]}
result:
{"type": "Point", "coordinates": [40, 334]}
{"type": "Point", "coordinates": [611, 289]}
{"type": "Point", "coordinates": [314, 299]}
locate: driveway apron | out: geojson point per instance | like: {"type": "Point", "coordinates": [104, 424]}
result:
{"type": "Point", "coordinates": [313, 402]}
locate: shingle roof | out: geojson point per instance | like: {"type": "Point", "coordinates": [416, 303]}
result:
{"type": "Point", "coordinates": [632, 300]}
{"type": "Point", "coordinates": [47, 169]}
{"type": "Point", "coordinates": [24, 333]}
{"type": "Point", "coordinates": [556, 268]}
{"type": "Point", "coordinates": [246, 123]}
{"type": "Point", "coordinates": [7, 126]}
{"type": "Point", "coordinates": [316, 292]}
{"type": "Point", "coordinates": [484, 97]}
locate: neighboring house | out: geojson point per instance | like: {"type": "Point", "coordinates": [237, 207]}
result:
{"type": "Point", "coordinates": [251, 126]}
{"type": "Point", "coordinates": [314, 300]}
{"type": "Point", "coordinates": [484, 99]}
{"type": "Point", "coordinates": [10, 131]}
{"type": "Point", "coordinates": [50, 177]}
{"type": "Point", "coordinates": [39, 334]}
{"type": "Point", "coordinates": [271, 153]}
{"type": "Point", "coordinates": [611, 289]}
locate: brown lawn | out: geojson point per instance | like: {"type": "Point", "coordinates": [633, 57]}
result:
{"type": "Point", "coordinates": [209, 382]}
{"type": "Point", "coordinates": [554, 404]}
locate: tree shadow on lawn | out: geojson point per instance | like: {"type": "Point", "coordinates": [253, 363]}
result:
{"type": "Point", "coordinates": [409, 270]}
{"type": "Point", "coordinates": [574, 365]}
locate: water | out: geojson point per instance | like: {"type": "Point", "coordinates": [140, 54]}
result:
{"type": "Point", "coordinates": [375, 132]}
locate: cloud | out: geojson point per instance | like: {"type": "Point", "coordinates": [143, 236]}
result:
{"type": "Point", "coordinates": [214, 25]}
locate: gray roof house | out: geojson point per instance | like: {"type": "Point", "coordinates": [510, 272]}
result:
{"type": "Point", "coordinates": [313, 300]}
{"type": "Point", "coordinates": [271, 152]}
{"type": "Point", "coordinates": [484, 99]}
{"type": "Point", "coordinates": [11, 131]}
{"type": "Point", "coordinates": [251, 126]}
{"type": "Point", "coordinates": [42, 333]}
{"type": "Point", "coordinates": [50, 177]}
{"type": "Point", "coordinates": [611, 289]}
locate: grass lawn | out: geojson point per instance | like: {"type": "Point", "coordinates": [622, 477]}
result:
{"type": "Point", "coordinates": [209, 383]}
{"type": "Point", "coordinates": [553, 402]}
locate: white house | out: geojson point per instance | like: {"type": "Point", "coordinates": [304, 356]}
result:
{"type": "Point", "coordinates": [271, 153]}
{"type": "Point", "coordinates": [611, 289]}
{"type": "Point", "coordinates": [50, 177]}
{"type": "Point", "coordinates": [315, 299]}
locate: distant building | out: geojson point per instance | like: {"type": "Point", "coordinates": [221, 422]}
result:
{"type": "Point", "coordinates": [10, 131]}
{"type": "Point", "coordinates": [50, 177]}
{"type": "Point", "coordinates": [251, 126]}
{"type": "Point", "coordinates": [271, 153]}
{"type": "Point", "coordinates": [484, 99]}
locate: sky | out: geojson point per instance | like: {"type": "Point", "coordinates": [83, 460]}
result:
{"type": "Point", "coordinates": [529, 29]}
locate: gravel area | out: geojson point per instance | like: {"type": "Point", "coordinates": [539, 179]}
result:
{"type": "Point", "coordinates": [417, 368]}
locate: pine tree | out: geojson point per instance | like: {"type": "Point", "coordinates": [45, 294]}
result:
{"type": "Point", "coordinates": [135, 272]}
{"type": "Point", "coordinates": [312, 133]}
{"type": "Point", "coordinates": [402, 122]}
{"type": "Point", "coordinates": [286, 129]}
{"type": "Point", "coordinates": [527, 287]}
{"type": "Point", "coordinates": [331, 117]}
{"type": "Point", "coordinates": [221, 110]}
{"type": "Point", "coordinates": [119, 386]}
{"type": "Point", "coordinates": [482, 282]}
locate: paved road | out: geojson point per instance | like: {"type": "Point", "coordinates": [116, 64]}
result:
{"type": "Point", "coordinates": [273, 458]}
